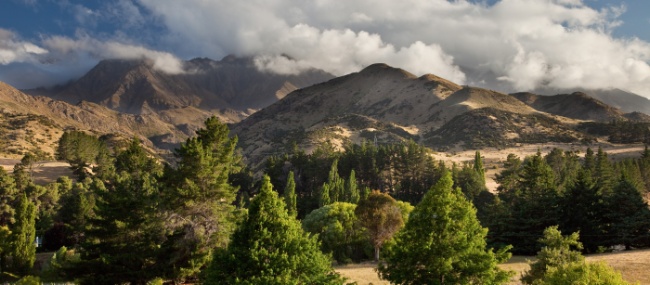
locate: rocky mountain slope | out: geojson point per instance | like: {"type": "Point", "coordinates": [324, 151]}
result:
{"type": "Point", "coordinates": [388, 104]}
{"type": "Point", "coordinates": [232, 87]}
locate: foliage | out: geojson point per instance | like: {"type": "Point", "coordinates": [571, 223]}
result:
{"type": "Point", "coordinates": [338, 231]}
{"type": "Point", "coordinates": [122, 246]}
{"type": "Point", "coordinates": [198, 199]}
{"type": "Point", "coordinates": [443, 243]}
{"type": "Point", "coordinates": [627, 216]}
{"type": "Point", "coordinates": [80, 150]}
{"type": "Point", "coordinates": [560, 262]}
{"type": "Point", "coordinates": [28, 280]}
{"type": "Point", "coordinates": [23, 233]}
{"type": "Point", "coordinates": [558, 250]}
{"type": "Point", "coordinates": [290, 195]}
{"type": "Point", "coordinates": [381, 216]}
{"type": "Point", "coordinates": [270, 247]}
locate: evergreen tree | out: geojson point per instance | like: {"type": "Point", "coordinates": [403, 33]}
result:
{"type": "Point", "coordinates": [324, 198]}
{"type": "Point", "coordinates": [582, 211]}
{"type": "Point", "coordinates": [380, 215]}
{"type": "Point", "coordinates": [23, 236]}
{"type": "Point", "coordinates": [8, 195]}
{"type": "Point", "coordinates": [478, 166]}
{"type": "Point", "coordinates": [351, 189]}
{"type": "Point", "coordinates": [627, 216]}
{"type": "Point", "coordinates": [123, 240]}
{"type": "Point", "coordinates": [198, 199]}
{"type": "Point", "coordinates": [270, 247]}
{"type": "Point", "coordinates": [290, 195]}
{"type": "Point", "coordinates": [558, 250]}
{"type": "Point", "coordinates": [443, 243]}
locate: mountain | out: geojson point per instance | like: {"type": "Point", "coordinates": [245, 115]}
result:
{"type": "Point", "coordinates": [232, 87]}
{"type": "Point", "coordinates": [390, 104]}
{"type": "Point", "coordinates": [576, 105]}
{"type": "Point", "coordinates": [627, 102]}
{"type": "Point", "coordinates": [33, 123]}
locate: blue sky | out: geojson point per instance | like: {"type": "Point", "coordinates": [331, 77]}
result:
{"type": "Point", "coordinates": [509, 45]}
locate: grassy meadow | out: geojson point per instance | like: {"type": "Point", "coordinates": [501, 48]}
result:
{"type": "Point", "coordinates": [633, 265]}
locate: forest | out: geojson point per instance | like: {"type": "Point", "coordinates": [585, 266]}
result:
{"type": "Point", "coordinates": [128, 217]}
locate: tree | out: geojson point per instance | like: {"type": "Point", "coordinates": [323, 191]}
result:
{"type": "Point", "coordinates": [380, 215]}
{"type": "Point", "coordinates": [627, 216]}
{"type": "Point", "coordinates": [290, 195]}
{"type": "Point", "coordinates": [351, 189]}
{"type": "Point", "coordinates": [123, 241]}
{"type": "Point", "coordinates": [23, 235]}
{"type": "Point", "coordinates": [8, 194]}
{"type": "Point", "coordinates": [338, 231]}
{"type": "Point", "coordinates": [478, 166]}
{"type": "Point", "coordinates": [443, 243]}
{"type": "Point", "coordinates": [560, 262]}
{"type": "Point", "coordinates": [198, 199]}
{"type": "Point", "coordinates": [558, 250]}
{"type": "Point", "coordinates": [270, 247]}
{"type": "Point", "coordinates": [582, 210]}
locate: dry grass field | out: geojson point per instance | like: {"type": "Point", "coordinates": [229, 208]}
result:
{"type": "Point", "coordinates": [634, 266]}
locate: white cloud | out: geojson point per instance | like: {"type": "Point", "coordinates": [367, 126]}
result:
{"type": "Point", "coordinates": [526, 43]}
{"type": "Point", "coordinates": [13, 49]}
{"type": "Point", "coordinates": [67, 48]}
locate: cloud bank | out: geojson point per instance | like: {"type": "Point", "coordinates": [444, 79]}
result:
{"type": "Point", "coordinates": [512, 45]}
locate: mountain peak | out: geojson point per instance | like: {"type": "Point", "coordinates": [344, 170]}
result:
{"type": "Point", "coordinates": [385, 69]}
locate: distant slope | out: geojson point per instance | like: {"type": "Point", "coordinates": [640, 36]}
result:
{"type": "Point", "coordinates": [627, 102]}
{"type": "Point", "coordinates": [232, 85]}
{"type": "Point", "coordinates": [389, 104]}
{"type": "Point", "coordinates": [576, 105]}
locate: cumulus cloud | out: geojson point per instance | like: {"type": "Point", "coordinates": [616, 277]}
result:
{"type": "Point", "coordinates": [66, 48]}
{"type": "Point", "coordinates": [525, 44]}
{"type": "Point", "coordinates": [13, 49]}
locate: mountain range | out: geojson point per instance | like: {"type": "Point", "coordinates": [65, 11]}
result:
{"type": "Point", "coordinates": [271, 112]}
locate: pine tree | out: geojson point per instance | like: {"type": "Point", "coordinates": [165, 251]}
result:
{"type": "Point", "coordinates": [627, 216]}
{"type": "Point", "coordinates": [123, 241]}
{"type": "Point", "coordinates": [324, 198]}
{"type": "Point", "coordinates": [290, 195]}
{"type": "Point", "coordinates": [23, 236]}
{"type": "Point", "coordinates": [478, 166]}
{"type": "Point", "coordinates": [270, 247]}
{"type": "Point", "coordinates": [8, 194]}
{"type": "Point", "coordinates": [443, 243]}
{"type": "Point", "coordinates": [199, 199]}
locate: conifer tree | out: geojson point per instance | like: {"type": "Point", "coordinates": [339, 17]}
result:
{"type": "Point", "coordinates": [324, 198]}
{"type": "Point", "coordinates": [443, 243]}
{"type": "Point", "coordinates": [478, 166]}
{"type": "Point", "coordinates": [199, 198]}
{"type": "Point", "coordinates": [558, 250]}
{"type": "Point", "coordinates": [8, 194]}
{"type": "Point", "coordinates": [290, 195]}
{"type": "Point", "coordinates": [352, 191]}
{"type": "Point", "coordinates": [270, 247]}
{"type": "Point", "coordinates": [23, 235]}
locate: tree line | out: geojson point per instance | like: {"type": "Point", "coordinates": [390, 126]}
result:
{"type": "Point", "coordinates": [203, 216]}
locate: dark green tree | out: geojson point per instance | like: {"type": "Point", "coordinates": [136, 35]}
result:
{"type": "Point", "coordinates": [270, 247]}
{"type": "Point", "coordinates": [8, 195]}
{"type": "Point", "coordinates": [443, 243]}
{"type": "Point", "coordinates": [351, 189]}
{"type": "Point", "coordinates": [123, 240]}
{"type": "Point", "coordinates": [627, 217]}
{"type": "Point", "coordinates": [199, 199]}
{"type": "Point", "coordinates": [582, 210]}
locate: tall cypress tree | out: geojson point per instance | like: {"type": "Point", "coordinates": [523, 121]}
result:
{"type": "Point", "coordinates": [270, 247]}
{"type": "Point", "coordinates": [443, 243]}
{"type": "Point", "coordinates": [23, 235]}
{"type": "Point", "coordinates": [290, 195]}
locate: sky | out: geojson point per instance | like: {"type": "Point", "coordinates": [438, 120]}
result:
{"type": "Point", "coordinates": [507, 45]}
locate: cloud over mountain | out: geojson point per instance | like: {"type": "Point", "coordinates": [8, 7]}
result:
{"type": "Point", "coordinates": [512, 44]}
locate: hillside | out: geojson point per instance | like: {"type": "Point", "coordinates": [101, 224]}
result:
{"type": "Point", "coordinates": [577, 105]}
{"type": "Point", "coordinates": [389, 104]}
{"type": "Point", "coordinates": [231, 86]}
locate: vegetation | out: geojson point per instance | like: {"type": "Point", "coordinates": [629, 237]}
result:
{"type": "Point", "coordinates": [443, 243]}
{"type": "Point", "coordinates": [190, 219]}
{"type": "Point", "coordinates": [560, 262]}
{"type": "Point", "coordinates": [270, 247]}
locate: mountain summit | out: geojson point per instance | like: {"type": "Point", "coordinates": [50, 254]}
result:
{"type": "Point", "coordinates": [136, 87]}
